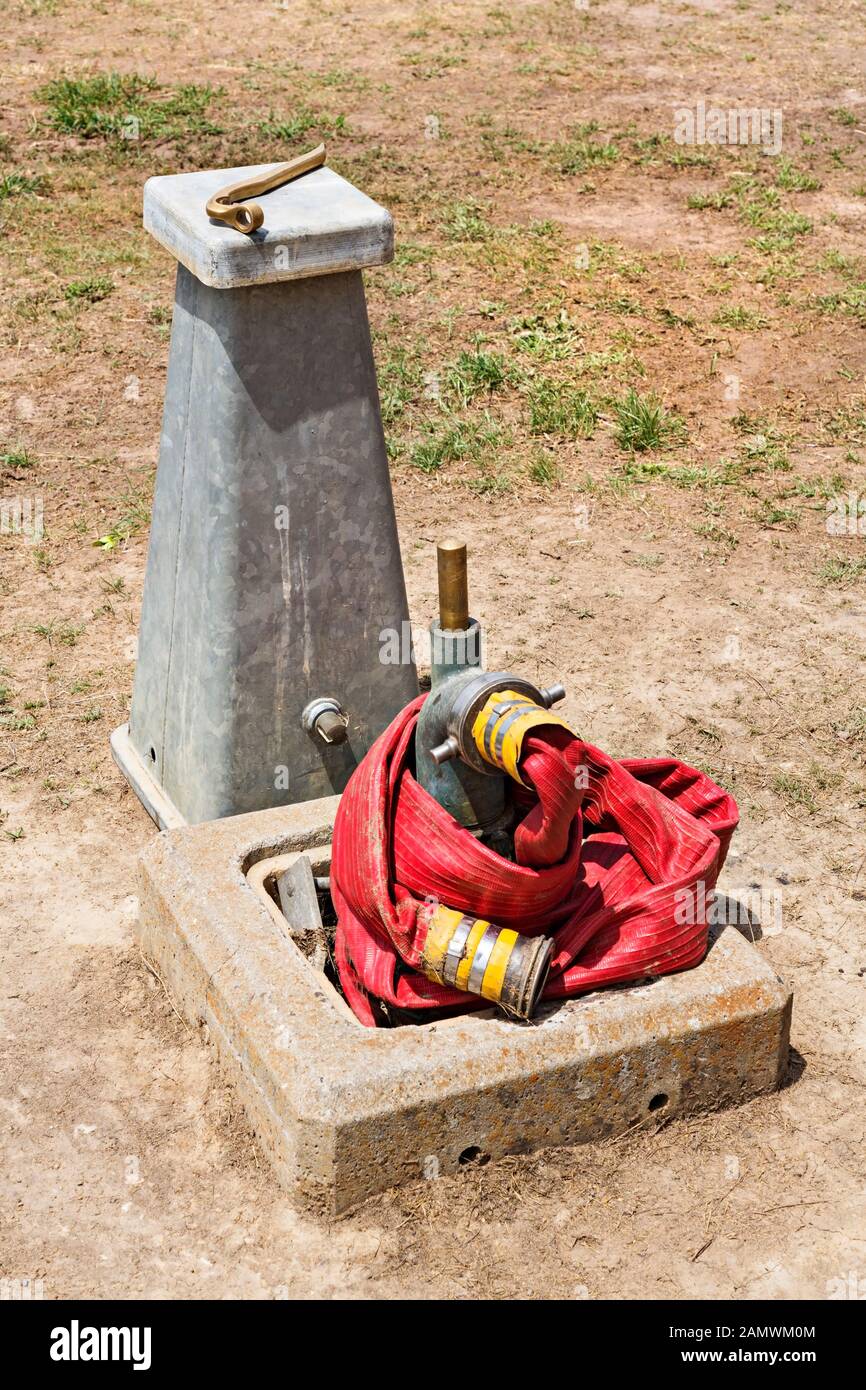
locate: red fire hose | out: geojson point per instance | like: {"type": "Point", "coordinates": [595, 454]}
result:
{"type": "Point", "coordinates": [613, 861]}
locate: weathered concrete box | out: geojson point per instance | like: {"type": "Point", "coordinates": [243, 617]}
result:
{"type": "Point", "coordinates": [345, 1112]}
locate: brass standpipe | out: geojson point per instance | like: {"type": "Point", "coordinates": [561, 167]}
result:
{"type": "Point", "coordinates": [476, 800]}
{"type": "Point", "coordinates": [453, 586]}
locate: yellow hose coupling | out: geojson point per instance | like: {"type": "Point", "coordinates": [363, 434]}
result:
{"type": "Point", "coordinates": [501, 725]}
{"type": "Point", "coordinates": [479, 958]}
{"type": "Point", "coordinates": [488, 716]}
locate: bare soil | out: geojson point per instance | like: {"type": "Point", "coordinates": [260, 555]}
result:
{"type": "Point", "coordinates": [688, 594]}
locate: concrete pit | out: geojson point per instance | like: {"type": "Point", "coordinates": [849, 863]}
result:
{"type": "Point", "coordinates": [344, 1112]}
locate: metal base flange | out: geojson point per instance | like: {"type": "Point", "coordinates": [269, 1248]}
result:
{"type": "Point", "coordinates": [158, 806]}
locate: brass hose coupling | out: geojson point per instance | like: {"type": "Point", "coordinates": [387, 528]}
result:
{"type": "Point", "coordinates": [229, 205]}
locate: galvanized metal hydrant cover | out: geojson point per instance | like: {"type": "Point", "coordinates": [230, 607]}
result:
{"type": "Point", "coordinates": [274, 565]}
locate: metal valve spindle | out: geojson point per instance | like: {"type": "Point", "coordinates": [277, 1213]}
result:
{"type": "Point", "coordinates": [453, 586]}
{"type": "Point", "coordinates": [448, 764]}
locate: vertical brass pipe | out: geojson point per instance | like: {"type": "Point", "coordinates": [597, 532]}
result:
{"type": "Point", "coordinates": [453, 586]}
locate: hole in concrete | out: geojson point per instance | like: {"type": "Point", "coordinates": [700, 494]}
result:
{"type": "Point", "coordinates": [658, 1102]}
{"type": "Point", "coordinates": [153, 755]}
{"type": "Point", "coordinates": [474, 1155]}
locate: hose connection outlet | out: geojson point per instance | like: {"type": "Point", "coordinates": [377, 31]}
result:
{"type": "Point", "coordinates": [489, 717]}
{"type": "Point", "coordinates": [326, 719]}
{"type": "Point", "coordinates": [501, 724]}
{"type": "Point", "coordinates": [496, 963]}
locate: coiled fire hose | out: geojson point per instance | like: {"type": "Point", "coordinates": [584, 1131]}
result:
{"type": "Point", "coordinates": [613, 862]}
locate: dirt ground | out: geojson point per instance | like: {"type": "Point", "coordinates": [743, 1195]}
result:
{"type": "Point", "coordinates": [557, 248]}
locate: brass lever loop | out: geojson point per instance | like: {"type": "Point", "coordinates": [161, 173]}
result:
{"type": "Point", "coordinates": [229, 205]}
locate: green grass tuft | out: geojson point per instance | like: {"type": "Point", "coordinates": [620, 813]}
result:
{"type": "Point", "coordinates": [544, 471]}
{"type": "Point", "coordinates": [550, 337]}
{"type": "Point", "coordinates": [91, 291]}
{"type": "Point", "coordinates": [459, 440]}
{"type": "Point", "coordinates": [300, 123]}
{"type": "Point", "coordinates": [579, 155]}
{"type": "Point", "coordinates": [15, 185]}
{"type": "Point", "coordinates": [476, 372]}
{"type": "Point", "coordinates": [842, 570]}
{"type": "Point", "coordinates": [736, 316]}
{"type": "Point", "coordinates": [560, 409]}
{"type": "Point", "coordinates": [17, 459]}
{"type": "Point", "coordinates": [126, 107]}
{"type": "Point", "coordinates": [795, 180]}
{"type": "Point", "coordinates": [467, 222]}
{"type": "Point", "coordinates": [644, 423]}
